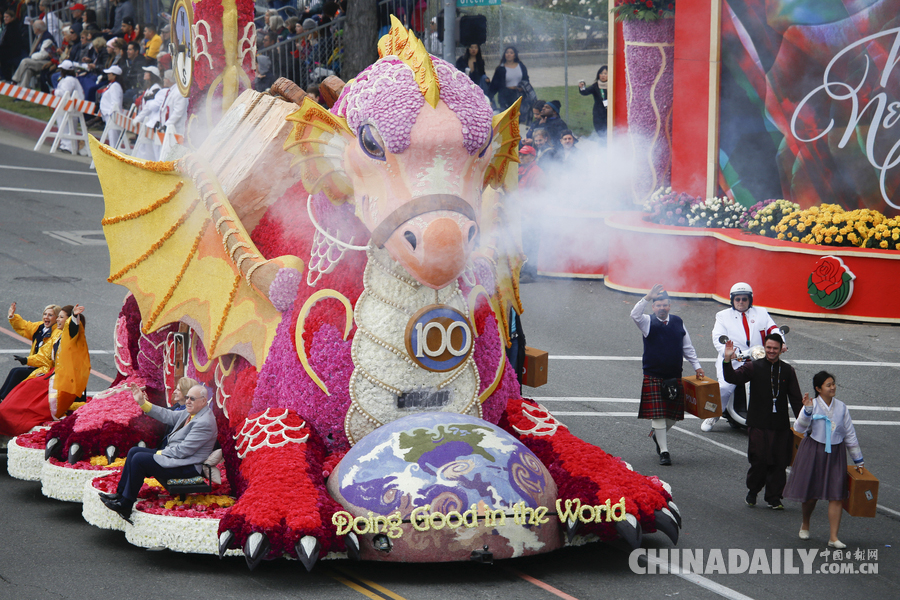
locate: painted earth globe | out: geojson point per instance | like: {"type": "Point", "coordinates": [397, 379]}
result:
{"type": "Point", "coordinates": [451, 485]}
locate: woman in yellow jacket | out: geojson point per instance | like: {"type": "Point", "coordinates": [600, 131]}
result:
{"type": "Point", "coordinates": [43, 334]}
{"type": "Point", "coordinates": [49, 396]}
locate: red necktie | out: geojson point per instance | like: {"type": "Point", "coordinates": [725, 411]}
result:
{"type": "Point", "coordinates": [746, 327]}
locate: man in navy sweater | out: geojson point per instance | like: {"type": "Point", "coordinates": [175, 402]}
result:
{"type": "Point", "coordinates": [666, 341]}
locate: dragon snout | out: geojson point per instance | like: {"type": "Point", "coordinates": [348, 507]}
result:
{"type": "Point", "coordinates": [434, 247]}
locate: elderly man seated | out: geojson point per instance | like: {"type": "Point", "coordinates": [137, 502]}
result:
{"type": "Point", "coordinates": [192, 440]}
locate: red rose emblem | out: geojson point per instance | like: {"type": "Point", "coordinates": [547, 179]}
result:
{"type": "Point", "coordinates": [828, 275]}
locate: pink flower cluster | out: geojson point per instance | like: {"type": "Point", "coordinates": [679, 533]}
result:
{"type": "Point", "coordinates": [119, 409]}
{"type": "Point", "coordinates": [468, 102]}
{"type": "Point", "coordinates": [387, 95]}
{"type": "Point", "coordinates": [284, 288]}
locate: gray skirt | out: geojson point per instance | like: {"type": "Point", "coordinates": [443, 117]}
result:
{"type": "Point", "coordinates": [817, 475]}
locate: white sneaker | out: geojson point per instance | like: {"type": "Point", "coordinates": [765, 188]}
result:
{"type": "Point", "coordinates": [804, 534]}
{"type": "Point", "coordinates": [84, 151]}
{"type": "Point", "coordinates": [707, 424]}
{"type": "Point", "coordinates": [837, 544]}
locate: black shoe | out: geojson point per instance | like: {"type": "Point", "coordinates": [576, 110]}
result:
{"type": "Point", "coordinates": [653, 435]}
{"type": "Point", "coordinates": [665, 459]}
{"type": "Point", "coordinates": [777, 505]}
{"type": "Point", "coordinates": [110, 496]}
{"type": "Point", "coordinates": [750, 499]}
{"type": "Point", "coordinates": [120, 507]}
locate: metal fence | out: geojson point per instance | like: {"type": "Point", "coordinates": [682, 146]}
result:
{"type": "Point", "coordinates": [307, 58]}
{"type": "Point", "coordinates": [558, 49]}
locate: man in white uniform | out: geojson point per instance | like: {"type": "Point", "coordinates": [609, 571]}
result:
{"type": "Point", "coordinates": [744, 324]}
{"type": "Point", "coordinates": [174, 110]}
{"type": "Point", "coordinates": [111, 100]}
{"type": "Point", "coordinates": [68, 83]}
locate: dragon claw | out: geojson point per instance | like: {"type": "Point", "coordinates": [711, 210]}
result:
{"type": "Point", "coordinates": [571, 528]}
{"type": "Point", "coordinates": [52, 448]}
{"type": "Point", "coordinates": [256, 548]}
{"type": "Point", "coordinates": [352, 543]}
{"type": "Point", "coordinates": [226, 538]}
{"type": "Point", "coordinates": [666, 523]}
{"type": "Point", "coordinates": [630, 530]}
{"type": "Point", "coordinates": [675, 512]}
{"type": "Point", "coordinates": [75, 453]}
{"type": "Point", "coordinates": [666, 487]}
{"type": "Point", "coordinates": [307, 549]}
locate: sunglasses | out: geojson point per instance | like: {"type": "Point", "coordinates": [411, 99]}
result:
{"type": "Point", "coordinates": [195, 398]}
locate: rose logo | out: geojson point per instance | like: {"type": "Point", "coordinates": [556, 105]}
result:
{"type": "Point", "coordinates": [830, 284]}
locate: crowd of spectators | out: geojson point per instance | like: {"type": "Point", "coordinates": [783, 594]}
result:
{"type": "Point", "coordinates": [125, 65]}
{"type": "Point", "coordinates": [305, 48]}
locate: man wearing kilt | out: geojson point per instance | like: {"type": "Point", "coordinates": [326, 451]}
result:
{"type": "Point", "coordinates": [666, 341]}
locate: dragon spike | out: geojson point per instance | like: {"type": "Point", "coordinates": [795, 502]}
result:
{"type": "Point", "coordinates": [408, 48]}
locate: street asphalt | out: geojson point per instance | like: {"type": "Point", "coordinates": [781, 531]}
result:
{"type": "Point", "coordinates": [51, 251]}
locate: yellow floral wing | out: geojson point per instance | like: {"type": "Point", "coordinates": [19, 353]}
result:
{"type": "Point", "coordinates": [162, 223]}
{"type": "Point", "coordinates": [505, 146]}
{"type": "Point", "coordinates": [317, 142]}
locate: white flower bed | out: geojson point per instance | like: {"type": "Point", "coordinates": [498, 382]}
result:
{"type": "Point", "coordinates": [96, 513]}
{"type": "Point", "coordinates": [179, 534]}
{"type": "Point", "coordinates": [66, 484]}
{"type": "Point", "coordinates": [24, 463]}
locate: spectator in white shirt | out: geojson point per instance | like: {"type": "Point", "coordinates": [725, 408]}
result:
{"type": "Point", "coordinates": [174, 111]}
{"type": "Point", "coordinates": [68, 83]}
{"type": "Point", "coordinates": [111, 100]}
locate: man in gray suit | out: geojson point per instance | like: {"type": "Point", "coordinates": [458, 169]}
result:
{"type": "Point", "coordinates": [191, 442]}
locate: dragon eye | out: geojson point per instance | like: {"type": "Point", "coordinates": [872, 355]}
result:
{"type": "Point", "coordinates": [488, 145]}
{"type": "Point", "coordinates": [370, 143]}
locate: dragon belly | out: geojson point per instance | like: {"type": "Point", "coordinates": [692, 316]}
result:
{"type": "Point", "coordinates": [387, 383]}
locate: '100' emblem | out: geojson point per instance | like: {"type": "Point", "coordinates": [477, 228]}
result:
{"type": "Point", "coordinates": [438, 338]}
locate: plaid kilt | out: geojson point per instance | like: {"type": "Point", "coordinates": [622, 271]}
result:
{"type": "Point", "coordinates": [655, 404]}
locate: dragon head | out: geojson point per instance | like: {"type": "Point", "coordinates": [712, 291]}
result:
{"type": "Point", "coordinates": [411, 142]}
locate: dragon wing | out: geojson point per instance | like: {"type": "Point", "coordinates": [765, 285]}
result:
{"type": "Point", "coordinates": [500, 217]}
{"type": "Point", "coordinates": [178, 245]}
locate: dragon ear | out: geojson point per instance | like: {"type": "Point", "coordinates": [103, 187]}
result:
{"type": "Point", "coordinates": [506, 144]}
{"type": "Point", "coordinates": [318, 140]}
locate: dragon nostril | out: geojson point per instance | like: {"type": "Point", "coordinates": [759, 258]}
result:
{"type": "Point", "coordinates": [411, 238]}
{"type": "Point", "coordinates": [472, 231]}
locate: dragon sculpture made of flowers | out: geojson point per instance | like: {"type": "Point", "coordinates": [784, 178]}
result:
{"type": "Point", "coordinates": [346, 295]}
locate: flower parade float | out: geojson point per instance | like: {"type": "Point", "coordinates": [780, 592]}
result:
{"type": "Point", "coordinates": [753, 123]}
{"type": "Point", "coordinates": [830, 262]}
{"type": "Point", "coordinates": [345, 278]}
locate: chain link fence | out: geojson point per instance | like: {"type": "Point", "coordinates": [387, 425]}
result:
{"type": "Point", "coordinates": [558, 49]}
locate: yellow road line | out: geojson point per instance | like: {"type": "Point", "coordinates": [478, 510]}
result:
{"type": "Point", "coordinates": [375, 591]}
